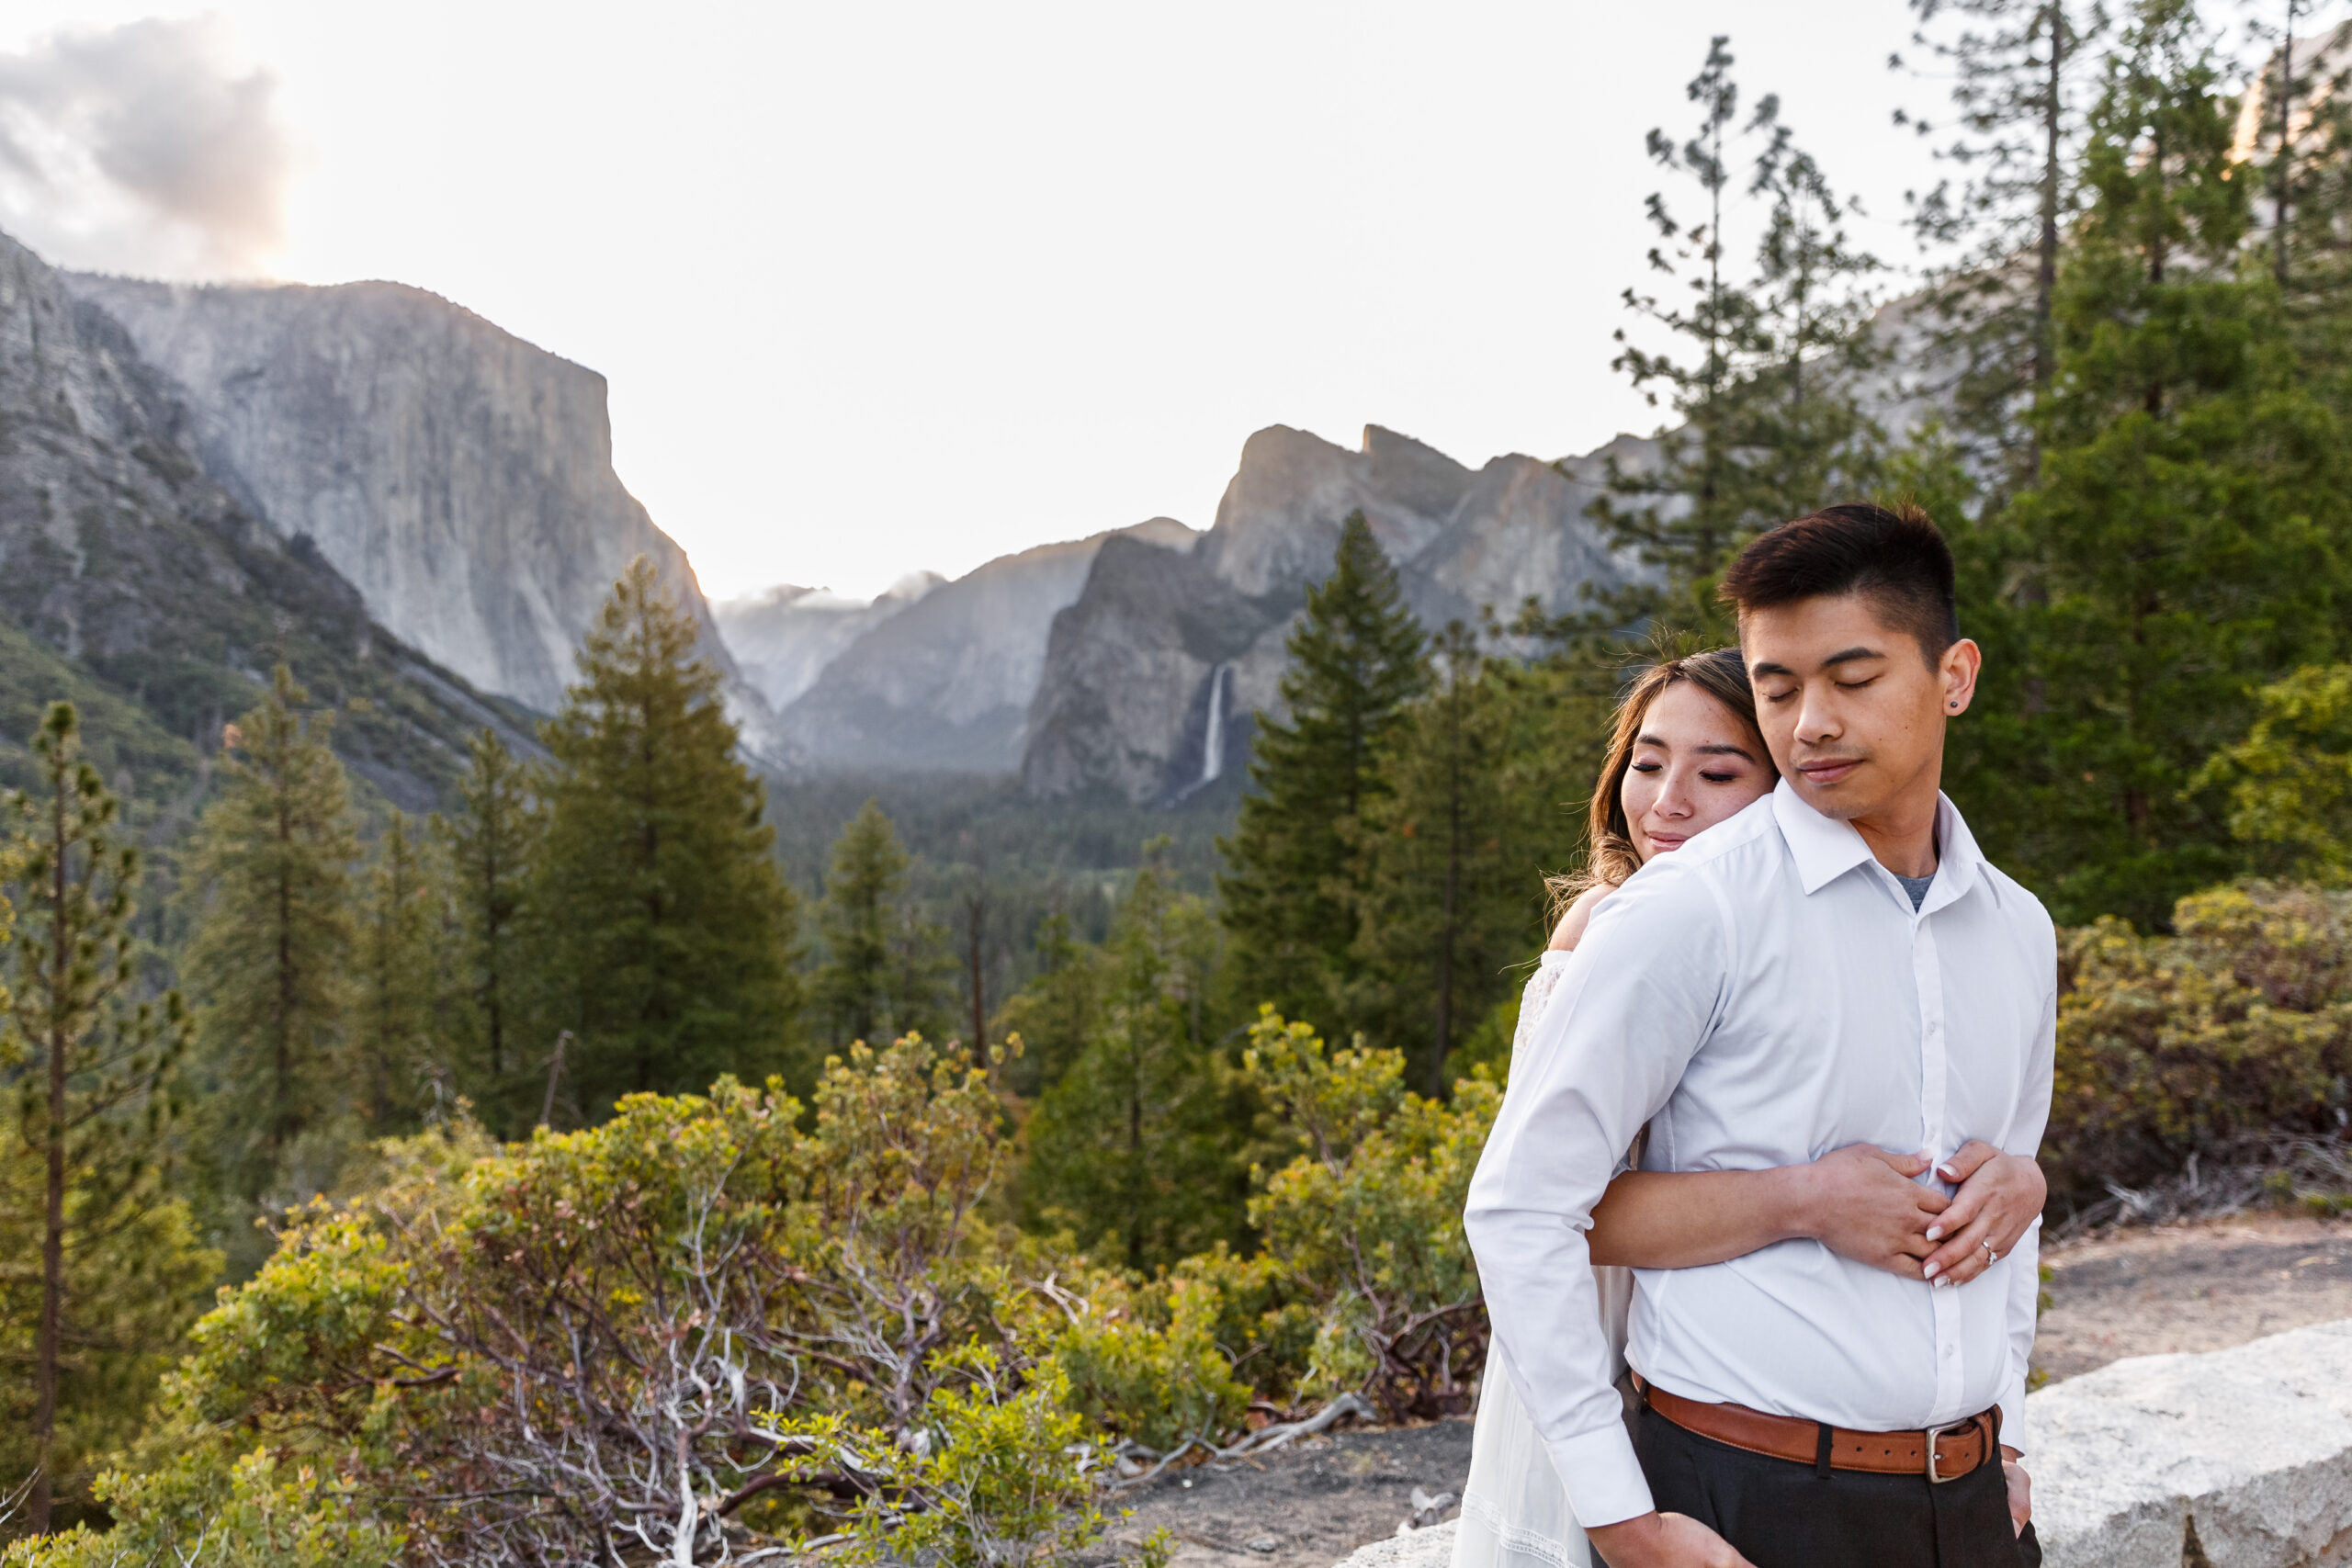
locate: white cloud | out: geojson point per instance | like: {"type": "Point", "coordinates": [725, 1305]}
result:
{"type": "Point", "coordinates": [145, 148]}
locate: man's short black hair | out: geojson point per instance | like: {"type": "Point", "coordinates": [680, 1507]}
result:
{"type": "Point", "coordinates": [1897, 559]}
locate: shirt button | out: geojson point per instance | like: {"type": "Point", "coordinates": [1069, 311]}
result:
{"type": "Point", "coordinates": [1949, 1352]}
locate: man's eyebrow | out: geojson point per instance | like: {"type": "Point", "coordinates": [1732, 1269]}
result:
{"type": "Point", "coordinates": [1846, 656]}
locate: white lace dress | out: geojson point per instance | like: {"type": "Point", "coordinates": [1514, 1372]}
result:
{"type": "Point", "coordinates": [1515, 1513]}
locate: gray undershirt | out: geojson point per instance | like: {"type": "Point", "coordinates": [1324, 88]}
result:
{"type": "Point", "coordinates": [1917, 886]}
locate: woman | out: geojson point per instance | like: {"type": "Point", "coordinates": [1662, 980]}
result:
{"type": "Point", "coordinates": [1685, 754]}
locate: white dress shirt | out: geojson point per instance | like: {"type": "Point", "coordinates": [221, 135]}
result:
{"type": "Point", "coordinates": [1761, 996]}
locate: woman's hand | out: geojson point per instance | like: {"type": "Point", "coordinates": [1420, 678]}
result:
{"type": "Point", "coordinates": [1999, 1196]}
{"type": "Point", "coordinates": [1864, 1204]}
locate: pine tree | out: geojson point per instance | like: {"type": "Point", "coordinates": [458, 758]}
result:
{"type": "Point", "coordinates": [399, 981]}
{"type": "Point", "coordinates": [1451, 898]}
{"type": "Point", "coordinates": [1131, 1147]}
{"type": "Point", "coordinates": [1054, 1011]}
{"type": "Point", "coordinates": [2016, 69]}
{"type": "Point", "coordinates": [1764, 385]}
{"type": "Point", "coordinates": [2189, 541]}
{"type": "Point", "coordinates": [93, 1112]}
{"type": "Point", "coordinates": [885, 969]}
{"type": "Point", "coordinates": [1293, 882]}
{"type": "Point", "coordinates": [668, 935]}
{"type": "Point", "coordinates": [271, 883]}
{"type": "Point", "coordinates": [489, 845]}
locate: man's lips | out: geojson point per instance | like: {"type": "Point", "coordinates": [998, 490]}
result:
{"type": "Point", "coordinates": [1828, 770]}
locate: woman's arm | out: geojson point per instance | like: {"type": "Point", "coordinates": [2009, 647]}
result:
{"type": "Point", "coordinates": [1860, 1201]}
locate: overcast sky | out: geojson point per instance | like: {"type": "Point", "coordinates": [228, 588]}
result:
{"type": "Point", "coordinates": [886, 287]}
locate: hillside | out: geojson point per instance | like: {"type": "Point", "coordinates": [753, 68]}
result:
{"type": "Point", "coordinates": [944, 681]}
{"type": "Point", "coordinates": [459, 478]}
{"type": "Point", "coordinates": [1151, 676]}
{"type": "Point", "coordinates": [140, 582]}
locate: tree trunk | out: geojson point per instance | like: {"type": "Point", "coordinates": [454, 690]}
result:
{"type": "Point", "coordinates": [975, 909]}
{"type": "Point", "coordinates": [47, 1352]}
{"type": "Point", "coordinates": [2283, 182]}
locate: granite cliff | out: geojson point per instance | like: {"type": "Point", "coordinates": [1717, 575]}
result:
{"type": "Point", "coordinates": [1151, 676]}
{"type": "Point", "coordinates": [946, 682]}
{"type": "Point", "coordinates": [139, 580]}
{"type": "Point", "coordinates": [784, 637]}
{"type": "Point", "coordinates": [460, 479]}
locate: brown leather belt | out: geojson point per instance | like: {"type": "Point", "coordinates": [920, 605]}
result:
{"type": "Point", "coordinates": [1939, 1453]}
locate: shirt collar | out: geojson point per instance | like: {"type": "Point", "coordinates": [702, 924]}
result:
{"type": "Point", "coordinates": [1826, 849]}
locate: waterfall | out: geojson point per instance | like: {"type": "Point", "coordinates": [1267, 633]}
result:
{"type": "Point", "coordinates": [1213, 737]}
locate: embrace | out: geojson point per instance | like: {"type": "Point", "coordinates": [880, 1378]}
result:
{"type": "Point", "coordinates": [1757, 1223]}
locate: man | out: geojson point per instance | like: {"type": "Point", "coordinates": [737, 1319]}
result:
{"type": "Point", "coordinates": [1835, 965]}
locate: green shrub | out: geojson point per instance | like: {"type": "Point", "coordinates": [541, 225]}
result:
{"type": "Point", "coordinates": [2236, 1026]}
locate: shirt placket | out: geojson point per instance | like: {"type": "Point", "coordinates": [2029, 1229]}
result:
{"type": "Point", "coordinates": [1926, 973]}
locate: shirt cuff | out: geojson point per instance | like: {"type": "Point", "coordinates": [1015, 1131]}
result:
{"type": "Point", "coordinates": [1601, 1477]}
{"type": "Point", "coordinates": [2015, 1433]}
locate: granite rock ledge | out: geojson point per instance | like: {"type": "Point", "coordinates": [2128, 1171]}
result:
{"type": "Point", "coordinates": [2232, 1458]}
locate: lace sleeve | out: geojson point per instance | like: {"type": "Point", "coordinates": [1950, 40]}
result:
{"type": "Point", "coordinates": [1536, 996]}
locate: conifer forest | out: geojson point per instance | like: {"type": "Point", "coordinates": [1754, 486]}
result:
{"type": "Point", "coordinates": [641, 1160]}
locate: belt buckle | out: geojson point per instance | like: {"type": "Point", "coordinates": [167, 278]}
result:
{"type": "Point", "coordinates": [1933, 1433]}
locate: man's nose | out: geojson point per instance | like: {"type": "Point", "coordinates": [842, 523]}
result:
{"type": "Point", "coordinates": [1818, 718]}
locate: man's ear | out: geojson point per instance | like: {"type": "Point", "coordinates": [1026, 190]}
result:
{"type": "Point", "coordinates": [1956, 673]}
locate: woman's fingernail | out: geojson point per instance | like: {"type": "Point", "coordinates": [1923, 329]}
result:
{"type": "Point", "coordinates": [1933, 1268]}
{"type": "Point", "coordinates": [1935, 1232]}
{"type": "Point", "coordinates": [1948, 1173]}
{"type": "Point", "coordinates": [1940, 1283]}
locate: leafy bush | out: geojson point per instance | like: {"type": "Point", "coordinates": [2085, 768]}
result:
{"type": "Point", "coordinates": [2236, 1026]}
{"type": "Point", "coordinates": [1363, 1231]}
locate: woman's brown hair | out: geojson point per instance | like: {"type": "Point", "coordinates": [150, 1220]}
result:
{"type": "Point", "coordinates": [1610, 857]}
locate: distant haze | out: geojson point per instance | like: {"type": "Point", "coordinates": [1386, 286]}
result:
{"type": "Point", "coordinates": [882, 288]}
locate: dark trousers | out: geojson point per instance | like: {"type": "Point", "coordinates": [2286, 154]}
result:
{"type": "Point", "coordinates": [1779, 1515]}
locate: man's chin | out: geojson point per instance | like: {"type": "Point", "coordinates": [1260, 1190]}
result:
{"type": "Point", "coordinates": [1842, 798]}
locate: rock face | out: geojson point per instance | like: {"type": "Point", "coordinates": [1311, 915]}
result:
{"type": "Point", "coordinates": [783, 638]}
{"type": "Point", "coordinates": [126, 555]}
{"type": "Point", "coordinates": [2239, 1459]}
{"type": "Point", "coordinates": [1151, 677]}
{"type": "Point", "coordinates": [946, 682]}
{"type": "Point", "coordinates": [459, 477]}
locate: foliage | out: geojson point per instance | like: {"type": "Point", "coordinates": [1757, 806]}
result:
{"type": "Point", "coordinates": [1451, 897]}
{"type": "Point", "coordinates": [254, 1512]}
{"type": "Point", "coordinates": [2187, 538]}
{"type": "Point", "coordinates": [1292, 881]}
{"type": "Point", "coordinates": [1132, 1147]}
{"type": "Point", "coordinates": [884, 966]}
{"type": "Point", "coordinates": [2290, 779]}
{"type": "Point", "coordinates": [666, 939]}
{"type": "Point", "coordinates": [1365, 1227]}
{"type": "Point", "coordinates": [2237, 1025]}
{"type": "Point", "coordinates": [1769, 426]}
{"type": "Point", "coordinates": [269, 886]}
{"type": "Point", "coordinates": [488, 844]}
{"type": "Point", "coordinates": [998, 1483]}
{"type": "Point", "coordinates": [394, 1013]}
{"type": "Point", "coordinates": [2017, 70]}
{"type": "Point", "coordinates": [93, 1116]}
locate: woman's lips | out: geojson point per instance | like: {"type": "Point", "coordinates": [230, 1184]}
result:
{"type": "Point", "coordinates": [1661, 842]}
